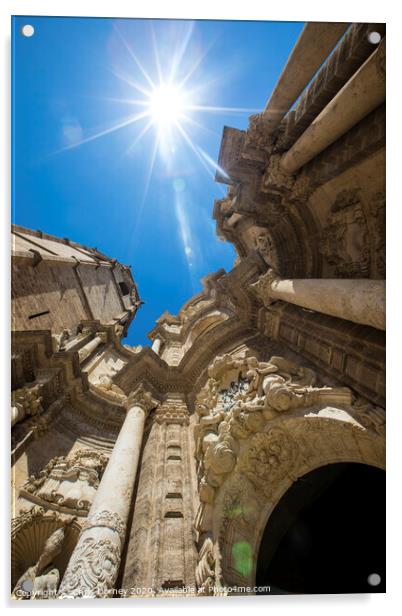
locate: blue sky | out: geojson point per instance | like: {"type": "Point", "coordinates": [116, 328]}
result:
{"type": "Point", "coordinates": [96, 158]}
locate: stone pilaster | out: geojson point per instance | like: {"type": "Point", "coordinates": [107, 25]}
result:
{"type": "Point", "coordinates": [163, 514]}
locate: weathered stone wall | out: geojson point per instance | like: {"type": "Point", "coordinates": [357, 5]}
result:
{"type": "Point", "coordinates": [50, 291]}
{"type": "Point", "coordinates": [56, 284]}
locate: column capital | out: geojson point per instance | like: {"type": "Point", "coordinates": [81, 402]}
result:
{"type": "Point", "coordinates": [102, 335]}
{"type": "Point", "coordinates": [263, 287]}
{"type": "Point", "coordinates": [142, 398]}
{"type": "Point", "coordinates": [172, 414]}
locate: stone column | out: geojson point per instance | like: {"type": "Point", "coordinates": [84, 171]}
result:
{"type": "Point", "coordinates": [312, 48]}
{"type": "Point", "coordinates": [156, 345]}
{"type": "Point", "coordinates": [94, 564]}
{"type": "Point", "coordinates": [89, 348]}
{"type": "Point", "coordinates": [358, 300]}
{"type": "Point", "coordinates": [363, 93]}
{"type": "Point", "coordinates": [26, 401]}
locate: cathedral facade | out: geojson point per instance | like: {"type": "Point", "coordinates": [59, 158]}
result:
{"type": "Point", "coordinates": [244, 451]}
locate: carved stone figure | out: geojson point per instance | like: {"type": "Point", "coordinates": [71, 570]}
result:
{"type": "Point", "coordinates": [344, 240]}
{"type": "Point", "coordinates": [172, 414]}
{"type": "Point", "coordinates": [264, 244]}
{"type": "Point", "coordinates": [46, 585]}
{"type": "Point", "coordinates": [242, 396]}
{"type": "Point", "coordinates": [68, 482]}
{"type": "Point", "coordinates": [40, 581]}
{"type": "Point", "coordinates": [205, 570]}
{"type": "Point", "coordinates": [105, 383]}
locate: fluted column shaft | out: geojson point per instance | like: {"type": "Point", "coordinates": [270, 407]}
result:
{"type": "Point", "coordinates": [358, 300]}
{"type": "Point", "coordinates": [94, 564]}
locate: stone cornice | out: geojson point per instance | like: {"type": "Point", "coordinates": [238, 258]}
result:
{"type": "Point", "coordinates": [176, 327]}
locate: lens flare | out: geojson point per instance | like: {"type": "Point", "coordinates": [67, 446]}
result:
{"type": "Point", "coordinates": [166, 105]}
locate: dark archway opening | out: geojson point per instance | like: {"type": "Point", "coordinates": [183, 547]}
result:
{"type": "Point", "coordinates": [327, 534]}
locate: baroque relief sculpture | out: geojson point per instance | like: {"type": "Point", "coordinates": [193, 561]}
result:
{"type": "Point", "coordinates": [105, 384]}
{"type": "Point", "coordinates": [41, 580]}
{"type": "Point", "coordinates": [25, 402]}
{"type": "Point", "coordinates": [205, 576]}
{"type": "Point", "coordinates": [94, 567]}
{"type": "Point", "coordinates": [344, 241]}
{"type": "Point", "coordinates": [270, 457]}
{"type": "Point", "coordinates": [239, 399]}
{"type": "Point", "coordinates": [68, 482]}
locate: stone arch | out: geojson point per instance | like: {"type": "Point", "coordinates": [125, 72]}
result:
{"type": "Point", "coordinates": [29, 533]}
{"type": "Point", "coordinates": [205, 324]}
{"type": "Point", "coordinates": [300, 443]}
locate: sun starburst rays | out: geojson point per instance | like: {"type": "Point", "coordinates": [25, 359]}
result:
{"type": "Point", "coordinates": [168, 98]}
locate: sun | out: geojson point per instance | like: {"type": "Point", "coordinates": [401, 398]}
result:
{"type": "Point", "coordinates": [167, 104]}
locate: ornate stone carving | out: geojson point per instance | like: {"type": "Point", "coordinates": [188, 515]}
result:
{"type": "Point", "coordinates": [271, 456]}
{"type": "Point", "coordinates": [371, 417]}
{"type": "Point", "coordinates": [68, 482]}
{"type": "Point", "coordinates": [26, 402]}
{"type": "Point", "coordinates": [263, 286]}
{"type": "Point", "coordinates": [142, 398]}
{"type": "Point", "coordinates": [264, 244]}
{"type": "Point", "coordinates": [256, 134]}
{"type": "Point", "coordinates": [108, 519]}
{"type": "Point", "coordinates": [239, 399]}
{"type": "Point", "coordinates": [92, 569]}
{"type": "Point", "coordinates": [29, 515]}
{"type": "Point", "coordinates": [344, 240]}
{"type": "Point", "coordinates": [205, 571]}
{"type": "Point", "coordinates": [377, 212]}
{"type": "Point", "coordinates": [301, 189]}
{"type": "Point", "coordinates": [40, 581]}
{"type": "Point", "coordinates": [275, 179]}
{"type": "Point", "coordinates": [172, 414]}
{"type": "Point", "coordinates": [105, 384]}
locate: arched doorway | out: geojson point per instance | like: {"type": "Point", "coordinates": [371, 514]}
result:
{"type": "Point", "coordinates": [327, 533]}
